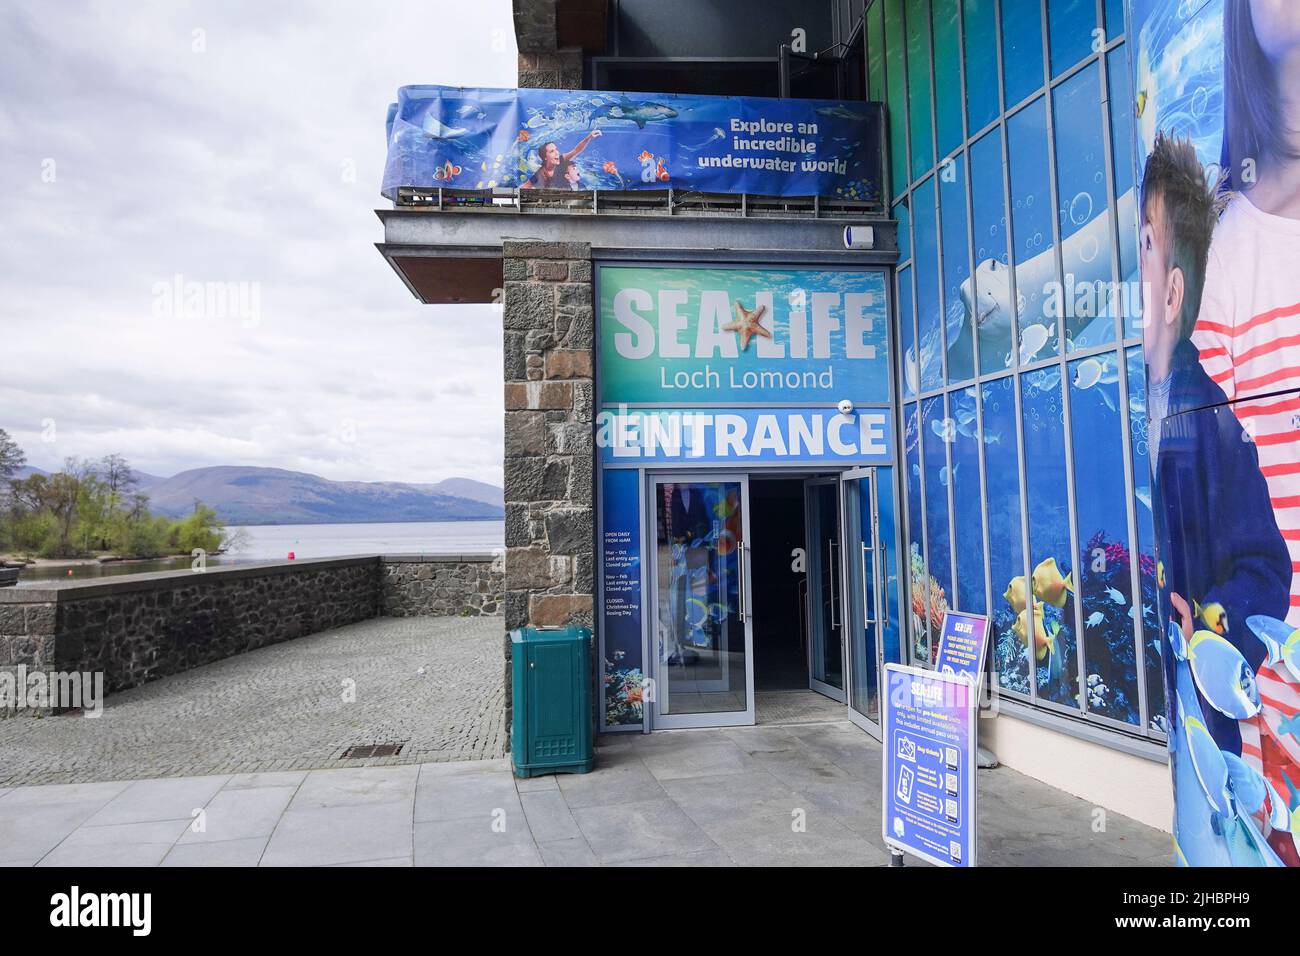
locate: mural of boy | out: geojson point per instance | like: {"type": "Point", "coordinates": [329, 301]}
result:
{"type": "Point", "coordinates": [1223, 559]}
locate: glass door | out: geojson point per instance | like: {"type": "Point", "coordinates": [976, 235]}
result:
{"type": "Point", "coordinates": [704, 673]}
{"type": "Point", "coordinates": [825, 588]}
{"type": "Point", "coordinates": [866, 608]}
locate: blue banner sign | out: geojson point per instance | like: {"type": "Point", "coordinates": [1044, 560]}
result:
{"type": "Point", "coordinates": [696, 335]}
{"type": "Point", "coordinates": [639, 436]}
{"type": "Point", "coordinates": [589, 139]}
{"type": "Point", "coordinates": [929, 765]}
{"type": "Point", "coordinates": [620, 604]}
{"type": "Point", "coordinates": [963, 640]}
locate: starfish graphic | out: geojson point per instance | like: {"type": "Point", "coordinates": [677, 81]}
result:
{"type": "Point", "coordinates": [748, 324]}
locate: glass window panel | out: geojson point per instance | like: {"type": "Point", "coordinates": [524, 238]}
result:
{"type": "Point", "coordinates": [1051, 627]}
{"type": "Point", "coordinates": [947, 75]}
{"type": "Point", "coordinates": [925, 255]}
{"type": "Point", "coordinates": [907, 329]}
{"type": "Point", "coordinates": [967, 523]}
{"type": "Point", "coordinates": [987, 298]}
{"type": "Point", "coordinates": [1022, 48]}
{"type": "Point", "coordinates": [893, 630]}
{"type": "Point", "coordinates": [918, 614]}
{"type": "Point", "coordinates": [918, 87]}
{"type": "Point", "coordinates": [1031, 230]}
{"type": "Point", "coordinates": [956, 270]}
{"type": "Point", "coordinates": [980, 24]}
{"type": "Point", "coordinates": [1103, 582]}
{"type": "Point", "coordinates": [1006, 544]}
{"type": "Point", "coordinates": [875, 53]}
{"type": "Point", "coordinates": [904, 231]}
{"type": "Point", "coordinates": [1114, 18]}
{"type": "Point", "coordinates": [895, 77]}
{"type": "Point", "coordinates": [938, 554]}
{"type": "Point", "coordinates": [1084, 215]}
{"type": "Point", "coordinates": [1070, 24]}
{"type": "Point", "coordinates": [1126, 191]}
{"type": "Point", "coordinates": [1152, 647]}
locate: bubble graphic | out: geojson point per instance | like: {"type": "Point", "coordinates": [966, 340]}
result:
{"type": "Point", "coordinates": [1200, 100]}
{"type": "Point", "coordinates": [1088, 251]}
{"type": "Point", "coordinates": [1081, 208]}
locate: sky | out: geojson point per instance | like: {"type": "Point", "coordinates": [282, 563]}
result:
{"type": "Point", "coordinates": [232, 146]}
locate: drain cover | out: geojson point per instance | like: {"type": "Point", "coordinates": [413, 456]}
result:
{"type": "Point", "coordinates": [361, 751]}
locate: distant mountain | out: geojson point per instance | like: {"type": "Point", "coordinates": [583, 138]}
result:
{"type": "Point", "coordinates": [471, 489]}
{"type": "Point", "coordinates": [245, 495]}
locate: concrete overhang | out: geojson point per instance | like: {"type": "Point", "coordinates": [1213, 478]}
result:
{"type": "Point", "coordinates": [453, 255]}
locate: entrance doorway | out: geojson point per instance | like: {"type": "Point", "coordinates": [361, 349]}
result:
{"type": "Point", "coordinates": [768, 587]}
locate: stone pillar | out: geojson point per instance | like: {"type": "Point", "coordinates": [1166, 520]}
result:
{"type": "Point", "coordinates": [549, 436]}
{"type": "Point", "coordinates": [541, 64]}
{"type": "Point", "coordinates": [557, 70]}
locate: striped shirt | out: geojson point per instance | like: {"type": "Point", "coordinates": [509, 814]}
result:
{"type": "Point", "coordinates": [1248, 333]}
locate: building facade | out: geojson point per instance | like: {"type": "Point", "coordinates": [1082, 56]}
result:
{"type": "Point", "coordinates": [948, 415]}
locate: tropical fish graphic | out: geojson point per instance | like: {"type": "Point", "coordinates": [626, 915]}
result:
{"type": "Point", "coordinates": [626, 109]}
{"type": "Point", "coordinates": [1212, 615]}
{"type": "Point", "coordinates": [1049, 586]}
{"type": "Point", "coordinates": [1223, 676]}
{"type": "Point", "coordinates": [612, 169]}
{"type": "Point", "coordinates": [524, 136]}
{"type": "Point", "coordinates": [1281, 640]}
{"type": "Point", "coordinates": [1015, 594]}
{"type": "Point", "coordinates": [1177, 642]}
{"type": "Point", "coordinates": [661, 171]}
{"type": "Point", "coordinates": [446, 171]}
{"type": "Point", "coordinates": [1032, 340]}
{"type": "Point", "coordinates": [1089, 372]}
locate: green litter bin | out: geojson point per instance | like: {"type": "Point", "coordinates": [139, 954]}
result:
{"type": "Point", "coordinates": [551, 672]}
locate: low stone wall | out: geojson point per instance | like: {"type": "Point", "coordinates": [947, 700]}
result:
{"type": "Point", "coordinates": [139, 627]}
{"type": "Point", "coordinates": [455, 585]}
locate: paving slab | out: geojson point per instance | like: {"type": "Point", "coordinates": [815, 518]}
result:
{"type": "Point", "coordinates": [806, 795]}
{"type": "Point", "coordinates": [432, 684]}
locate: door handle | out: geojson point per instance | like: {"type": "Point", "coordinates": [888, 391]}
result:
{"type": "Point", "coordinates": [740, 564]}
{"type": "Point", "coordinates": [830, 570]}
{"type": "Point", "coordinates": [866, 620]}
{"type": "Point", "coordinates": [884, 578]}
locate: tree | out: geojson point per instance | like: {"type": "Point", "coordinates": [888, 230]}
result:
{"type": "Point", "coordinates": [116, 473]}
{"type": "Point", "coordinates": [11, 456]}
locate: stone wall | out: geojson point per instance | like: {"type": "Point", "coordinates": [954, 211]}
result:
{"type": "Point", "coordinates": [139, 627]}
{"type": "Point", "coordinates": [541, 64]}
{"type": "Point", "coordinates": [458, 585]}
{"type": "Point", "coordinates": [549, 435]}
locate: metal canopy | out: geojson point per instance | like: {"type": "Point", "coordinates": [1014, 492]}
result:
{"type": "Point", "coordinates": [452, 253]}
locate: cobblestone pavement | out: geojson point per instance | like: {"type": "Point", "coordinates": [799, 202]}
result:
{"type": "Point", "coordinates": [676, 798]}
{"type": "Point", "coordinates": [430, 683]}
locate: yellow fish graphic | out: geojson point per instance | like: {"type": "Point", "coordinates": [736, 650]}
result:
{"type": "Point", "coordinates": [1214, 616]}
{"type": "Point", "coordinates": [1015, 594]}
{"type": "Point", "coordinates": [1049, 586]}
{"type": "Point", "coordinates": [1042, 641]}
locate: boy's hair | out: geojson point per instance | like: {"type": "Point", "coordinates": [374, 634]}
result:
{"type": "Point", "coordinates": [1190, 212]}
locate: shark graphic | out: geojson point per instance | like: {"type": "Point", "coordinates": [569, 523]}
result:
{"type": "Point", "coordinates": [639, 113]}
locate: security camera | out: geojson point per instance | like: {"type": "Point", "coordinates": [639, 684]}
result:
{"type": "Point", "coordinates": [859, 237]}
{"type": "Point", "coordinates": [845, 406]}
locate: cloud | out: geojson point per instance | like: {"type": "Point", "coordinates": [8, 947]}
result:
{"type": "Point", "coordinates": [237, 146]}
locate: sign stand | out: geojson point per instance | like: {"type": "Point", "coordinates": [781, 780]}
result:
{"type": "Point", "coordinates": [929, 724]}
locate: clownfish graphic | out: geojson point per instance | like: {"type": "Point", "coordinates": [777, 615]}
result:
{"type": "Point", "coordinates": [446, 171]}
